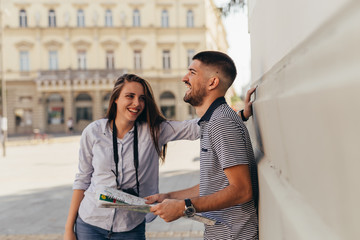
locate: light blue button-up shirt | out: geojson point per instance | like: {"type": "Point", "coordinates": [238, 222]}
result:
{"type": "Point", "coordinates": [96, 160]}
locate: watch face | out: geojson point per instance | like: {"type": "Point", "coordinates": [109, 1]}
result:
{"type": "Point", "coordinates": [190, 211]}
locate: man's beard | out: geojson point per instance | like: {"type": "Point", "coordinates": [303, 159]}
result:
{"type": "Point", "coordinates": [195, 98]}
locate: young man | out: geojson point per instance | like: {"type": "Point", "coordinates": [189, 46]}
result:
{"type": "Point", "coordinates": [228, 187]}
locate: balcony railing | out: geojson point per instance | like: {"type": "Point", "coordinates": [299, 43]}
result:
{"type": "Point", "coordinates": [80, 74]}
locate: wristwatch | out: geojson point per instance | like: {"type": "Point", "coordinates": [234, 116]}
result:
{"type": "Point", "coordinates": [189, 208]}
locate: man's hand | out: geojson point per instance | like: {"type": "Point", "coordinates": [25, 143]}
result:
{"type": "Point", "coordinates": [248, 104]}
{"type": "Point", "coordinates": [169, 209]}
{"type": "Point", "coordinates": [156, 198]}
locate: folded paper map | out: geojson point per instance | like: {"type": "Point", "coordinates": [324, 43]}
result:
{"type": "Point", "coordinates": [112, 198]}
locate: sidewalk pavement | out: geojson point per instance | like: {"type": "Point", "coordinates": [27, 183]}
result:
{"type": "Point", "coordinates": [35, 188]}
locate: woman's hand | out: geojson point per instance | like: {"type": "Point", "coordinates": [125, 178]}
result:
{"type": "Point", "coordinates": [69, 235]}
{"type": "Point", "coordinates": [156, 198]}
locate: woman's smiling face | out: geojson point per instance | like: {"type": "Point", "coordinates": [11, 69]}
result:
{"type": "Point", "coordinates": [131, 101]}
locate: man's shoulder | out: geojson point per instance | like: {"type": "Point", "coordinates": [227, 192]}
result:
{"type": "Point", "coordinates": [224, 114]}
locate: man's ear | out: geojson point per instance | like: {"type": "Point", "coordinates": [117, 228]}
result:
{"type": "Point", "coordinates": [213, 83]}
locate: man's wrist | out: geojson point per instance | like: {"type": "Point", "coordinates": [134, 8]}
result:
{"type": "Point", "coordinates": [241, 113]}
{"type": "Point", "coordinates": [189, 208]}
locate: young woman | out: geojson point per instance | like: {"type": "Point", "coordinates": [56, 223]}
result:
{"type": "Point", "coordinates": [127, 161]}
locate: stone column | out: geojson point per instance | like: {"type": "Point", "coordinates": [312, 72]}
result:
{"type": "Point", "coordinates": [97, 105]}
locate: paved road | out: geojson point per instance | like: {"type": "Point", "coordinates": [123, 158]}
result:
{"type": "Point", "coordinates": [35, 188]}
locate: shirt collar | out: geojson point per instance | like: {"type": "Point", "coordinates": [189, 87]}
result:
{"type": "Point", "coordinates": [107, 128]}
{"type": "Point", "coordinates": [211, 109]}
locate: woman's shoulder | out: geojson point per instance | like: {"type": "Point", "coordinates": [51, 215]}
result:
{"type": "Point", "coordinates": [96, 126]}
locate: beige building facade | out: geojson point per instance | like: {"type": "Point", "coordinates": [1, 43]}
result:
{"type": "Point", "coordinates": [61, 58]}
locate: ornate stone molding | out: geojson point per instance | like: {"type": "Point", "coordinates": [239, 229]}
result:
{"type": "Point", "coordinates": [53, 44]}
{"type": "Point", "coordinates": [109, 44]}
{"type": "Point", "coordinates": [137, 43]}
{"type": "Point", "coordinates": [24, 45]}
{"type": "Point", "coordinates": [80, 4]}
{"type": "Point", "coordinates": [82, 44]}
{"type": "Point", "coordinates": [191, 44]}
{"type": "Point", "coordinates": [22, 4]}
{"type": "Point", "coordinates": [165, 44]}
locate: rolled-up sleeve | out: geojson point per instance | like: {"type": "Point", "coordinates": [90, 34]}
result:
{"type": "Point", "coordinates": [83, 177]}
{"type": "Point", "coordinates": [179, 130]}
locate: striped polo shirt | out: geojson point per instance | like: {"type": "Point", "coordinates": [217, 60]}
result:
{"type": "Point", "coordinates": [225, 142]}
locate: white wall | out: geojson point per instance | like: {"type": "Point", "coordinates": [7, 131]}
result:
{"type": "Point", "coordinates": [306, 61]}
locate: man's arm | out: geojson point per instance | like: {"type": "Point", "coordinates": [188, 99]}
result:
{"type": "Point", "coordinates": [181, 194]}
{"type": "Point", "coordinates": [239, 191]}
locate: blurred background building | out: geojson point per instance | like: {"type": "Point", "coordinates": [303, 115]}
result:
{"type": "Point", "coordinates": [61, 58]}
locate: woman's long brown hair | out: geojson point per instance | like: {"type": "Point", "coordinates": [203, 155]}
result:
{"type": "Point", "coordinates": [150, 114]}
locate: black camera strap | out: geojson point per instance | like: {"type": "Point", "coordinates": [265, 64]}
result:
{"type": "Point", "coordinates": [116, 156]}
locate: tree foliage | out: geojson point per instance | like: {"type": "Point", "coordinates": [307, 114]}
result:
{"type": "Point", "coordinates": [231, 5]}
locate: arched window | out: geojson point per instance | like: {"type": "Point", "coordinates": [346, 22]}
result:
{"type": "Point", "coordinates": [190, 18]}
{"type": "Point", "coordinates": [136, 18]}
{"type": "Point", "coordinates": [55, 109]}
{"type": "Point", "coordinates": [52, 18]}
{"type": "Point", "coordinates": [80, 18]}
{"type": "Point", "coordinates": [167, 104]}
{"type": "Point", "coordinates": [83, 97]}
{"type": "Point", "coordinates": [83, 105]}
{"type": "Point", "coordinates": [22, 18]}
{"type": "Point", "coordinates": [164, 19]}
{"type": "Point", "coordinates": [108, 18]}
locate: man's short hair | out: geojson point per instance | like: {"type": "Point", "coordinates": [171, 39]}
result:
{"type": "Point", "coordinates": [222, 62]}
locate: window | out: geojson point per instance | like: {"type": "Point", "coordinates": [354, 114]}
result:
{"type": "Point", "coordinates": [24, 61]}
{"type": "Point", "coordinates": [136, 18]}
{"type": "Point", "coordinates": [110, 61]}
{"type": "Point", "coordinates": [108, 18]}
{"type": "Point", "coordinates": [164, 19]}
{"type": "Point", "coordinates": [80, 18]}
{"type": "Point", "coordinates": [166, 59]}
{"type": "Point", "coordinates": [53, 60]}
{"type": "Point", "coordinates": [167, 104]}
{"type": "Point", "coordinates": [22, 18]}
{"type": "Point", "coordinates": [55, 109]}
{"type": "Point", "coordinates": [190, 54]}
{"type": "Point", "coordinates": [190, 19]}
{"type": "Point", "coordinates": [137, 59]}
{"type": "Point", "coordinates": [82, 60]}
{"type": "Point", "coordinates": [83, 103]}
{"type": "Point", "coordinates": [52, 18]}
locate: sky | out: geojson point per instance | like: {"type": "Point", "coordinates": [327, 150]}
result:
{"type": "Point", "coordinates": [236, 25]}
